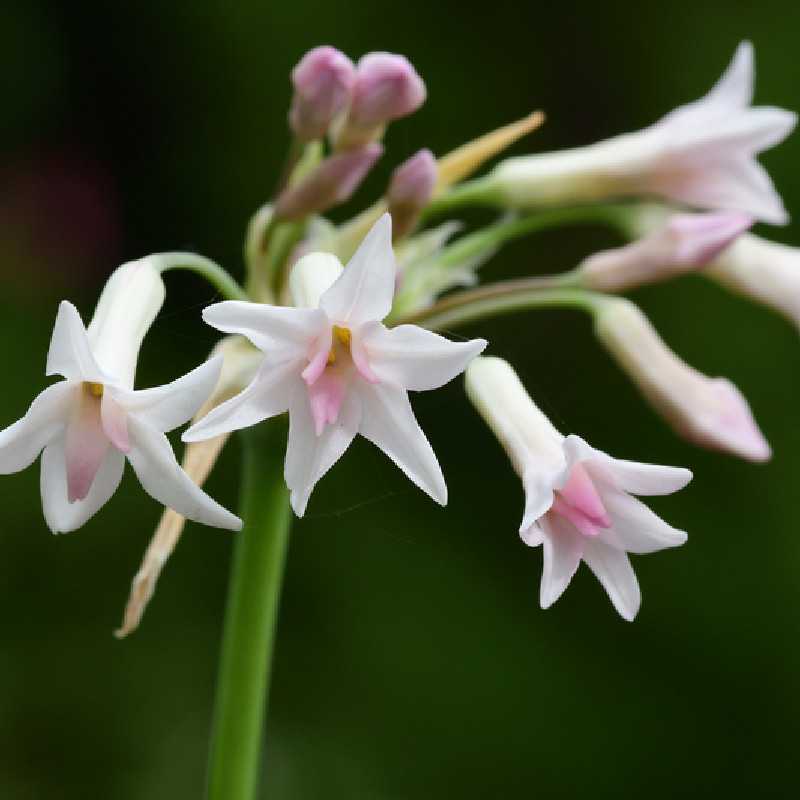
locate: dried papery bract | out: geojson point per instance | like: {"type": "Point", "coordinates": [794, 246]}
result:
{"type": "Point", "coordinates": [710, 412]}
{"type": "Point", "coordinates": [579, 502]}
{"type": "Point", "coordinates": [239, 366]}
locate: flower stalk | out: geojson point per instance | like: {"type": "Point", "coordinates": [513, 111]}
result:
{"type": "Point", "coordinates": [250, 618]}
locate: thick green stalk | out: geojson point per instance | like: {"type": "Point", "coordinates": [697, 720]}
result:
{"type": "Point", "coordinates": [250, 618]}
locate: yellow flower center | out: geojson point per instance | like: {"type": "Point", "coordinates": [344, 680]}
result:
{"type": "Point", "coordinates": [95, 389]}
{"type": "Point", "coordinates": [342, 337]}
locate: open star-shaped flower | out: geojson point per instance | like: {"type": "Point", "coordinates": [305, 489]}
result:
{"type": "Point", "coordinates": [338, 370]}
{"type": "Point", "coordinates": [86, 425]}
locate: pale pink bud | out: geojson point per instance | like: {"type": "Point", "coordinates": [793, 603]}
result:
{"type": "Point", "coordinates": [685, 242]}
{"type": "Point", "coordinates": [387, 87]}
{"type": "Point", "coordinates": [323, 81]}
{"type": "Point", "coordinates": [331, 183]}
{"type": "Point", "coordinates": [410, 189]}
{"type": "Point", "coordinates": [710, 412]}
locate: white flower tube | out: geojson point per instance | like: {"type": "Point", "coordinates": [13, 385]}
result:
{"type": "Point", "coordinates": [701, 154]}
{"type": "Point", "coordinates": [578, 500]}
{"type": "Point", "coordinates": [89, 423]}
{"type": "Point", "coordinates": [710, 412]}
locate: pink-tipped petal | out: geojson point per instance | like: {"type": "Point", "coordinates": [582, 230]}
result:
{"type": "Point", "coordinates": [319, 358]}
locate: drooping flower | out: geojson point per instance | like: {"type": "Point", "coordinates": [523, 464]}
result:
{"type": "Point", "coordinates": [337, 369]}
{"type": "Point", "coordinates": [701, 154]}
{"type": "Point", "coordinates": [710, 412]}
{"type": "Point", "coordinates": [579, 502]}
{"type": "Point", "coordinates": [323, 81]}
{"type": "Point", "coordinates": [681, 244]}
{"type": "Point", "coordinates": [86, 425]}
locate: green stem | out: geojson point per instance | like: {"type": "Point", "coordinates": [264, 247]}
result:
{"type": "Point", "coordinates": [504, 298]}
{"type": "Point", "coordinates": [213, 273]}
{"type": "Point", "coordinates": [250, 618]}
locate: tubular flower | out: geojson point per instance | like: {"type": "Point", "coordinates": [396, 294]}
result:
{"type": "Point", "coordinates": [579, 502]}
{"type": "Point", "coordinates": [710, 412]}
{"type": "Point", "coordinates": [337, 370]}
{"type": "Point", "coordinates": [702, 154]}
{"type": "Point", "coordinates": [683, 243]}
{"type": "Point", "coordinates": [88, 424]}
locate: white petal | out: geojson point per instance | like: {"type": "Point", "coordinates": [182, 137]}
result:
{"type": "Point", "coordinates": [389, 423]}
{"type": "Point", "coordinates": [61, 515]}
{"type": "Point", "coordinates": [613, 569]}
{"type": "Point", "coordinates": [167, 407]}
{"type": "Point", "coordinates": [365, 289]}
{"type": "Point", "coordinates": [635, 527]}
{"type": "Point", "coordinates": [414, 358]}
{"type": "Point", "coordinates": [69, 354]}
{"type": "Point", "coordinates": [629, 476]}
{"type": "Point", "coordinates": [162, 478]}
{"type": "Point", "coordinates": [539, 483]}
{"type": "Point", "coordinates": [267, 395]}
{"type": "Point", "coordinates": [280, 331]}
{"type": "Point", "coordinates": [562, 550]}
{"type": "Point", "coordinates": [22, 442]}
{"type": "Point", "coordinates": [735, 88]}
{"type": "Point", "coordinates": [308, 456]}
{"type": "Point", "coordinates": [533, 536]}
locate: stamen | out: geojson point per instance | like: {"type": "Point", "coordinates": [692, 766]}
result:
{"type": "Point", "coordinates": [95, 389]}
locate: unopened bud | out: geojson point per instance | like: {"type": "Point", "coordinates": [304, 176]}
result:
{"type": "Point", "coordinates": [710, 412]}
{"type": "Point", "coordinates": [685, 242]}
{"type": "Point", "coordinates": [410, 190]}
{"type": "Point", "coordinates": [332, 182]}
{"type": "Point", "coordinates": [387, 87]}
{"type": "Point", "coordinates": [323, 81]}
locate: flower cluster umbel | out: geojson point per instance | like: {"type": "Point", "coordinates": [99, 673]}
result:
{"type": "Point", "coordinates": [336, 323]}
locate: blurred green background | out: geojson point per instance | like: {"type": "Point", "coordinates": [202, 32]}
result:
{"type": "Point", "coordinates": [413, 660]}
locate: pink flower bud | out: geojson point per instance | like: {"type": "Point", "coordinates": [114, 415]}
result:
{"type": "Point", "coordinates": [710, 412]}
{"type": "Point", "coordinates": [323, 81]}
{"type": "Point", "coordinates": [387, 87]}
{"type": "Point", "coordinates": [410, 189]}
{"type": "Point", "coordinates": [331, 183]}
{"type": "Point", "coordinates": [685, 242]}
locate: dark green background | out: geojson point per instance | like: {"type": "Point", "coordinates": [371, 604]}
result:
{"type": "Point", "coordinates": [413, 660]}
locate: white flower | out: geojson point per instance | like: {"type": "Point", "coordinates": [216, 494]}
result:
{"type": "Point", "coordinates": [578, 500]}
{"type": "Point", "coordinates": [702, 154]}
{"type": "Point", "coordinates": [338, 371]}
{"type": "Point", "coordinates": [89, 423]}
